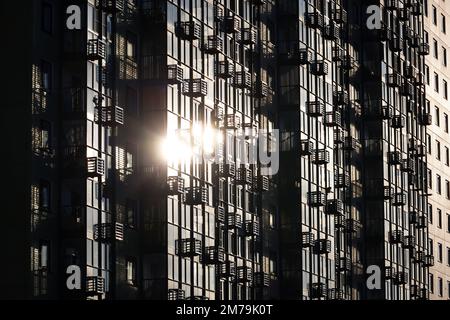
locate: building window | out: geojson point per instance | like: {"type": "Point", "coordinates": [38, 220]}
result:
{"type": "Point", "coordinates": [445, 89]}
{"type": "Point", "coordinates": [46, 75]}
{"type": "Point", "coordinates": [446, 122]}
{"type": "Point", "coordinates": [47, 18]}
{"type": "Point", "coordinates": [131, 45]}
{"type": "Point", "coordinates": [436, 82]}
{"type": "Point", "coordinates": [430, 213]}
{"type": "Point", "coordinates": [435, 49]}
{"type": "Point", "coordinates": [440, 252]}
{"type": "Point", "coordinates": [444, 56]}
{"type": "Point", "coordinates": [443, 26]}
{"type": "Point", "coordinates": [431, 283]}
{"type": "Point", "coordinates": [430, 179]}
{"type": "Point", "coordinates": [447, 189]}
{"type": "Point", "coordinates": [44, 255]}
{"type": "Point", "coordinates": [131, 272]}
{"type": "Point", "coordinates": [438, 184]}
{"type": "Point", "coordinates": [45, 136]}
{"type": "Point", "coordinates": [428, 143]}
{"type": "Point", "coordinates": [439, 212]}
{"type": "Point", "coordinates": [438, 150]}
{"type": "Point", "coordinates": [448, 256]}
{"type": "Point", "coordinates": [440, 288]}
{"type": "Point", "coordinates": [425, 8]}
{"type": "Point", "coordinates": [448, 223]}
{"type": "Point", "coordinates": [434, 14]}
{"type": "Point", "coordinates": [437, 116]}
{"type": "Point", "coordinates": [44, 195]}
{"type": "Point", "coordinates": [427, 74]}
{"type": "Point", "coordinates": [131, 210]}
{"type": "Point", "coordinates": [447, 156]}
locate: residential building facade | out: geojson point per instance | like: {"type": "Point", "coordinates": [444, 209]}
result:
{"type": "Point", "coordinates": [136, 163]}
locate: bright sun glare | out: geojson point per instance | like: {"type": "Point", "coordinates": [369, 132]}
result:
{"type": "Point", "coordinates": [182, 144]}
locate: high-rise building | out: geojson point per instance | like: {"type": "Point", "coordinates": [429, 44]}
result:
{"type": "Point", "coordinates": [133, 127]}
{"type": "Point", "coordinates": [437, 76]}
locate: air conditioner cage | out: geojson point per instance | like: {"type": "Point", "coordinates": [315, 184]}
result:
{"type": "Point", "coordinates": [409, 242]}
{"type": "Point", "coordinates": [261, 280]}
{"type": "Point", "coordinates": [331, 31]}
{"type": "Point", "coordinates": [242, 80]}
{"type": "Point", "coordinates": [322, 246]}
{"type": "Point", "coordinates": [227, 269]}
{"type": "Point", "coordinates": [339, 15]}
{"type": "Point", "coordinates": [340, 98]}
{"type": "Point", "coordinates": [252, 228]}
{"type": "Point", "coordinates": [423, 49]}
{"type": "Point", "coordinates": [244, 176]}
{"type": "Point", "coordinates": [230, 24]}
{"type": "Point", "coordinates": [195, 88]}
{"type": "Point", "coordinates": [320, 157]}
{"type": "Point", "coordinates": [110, 6]}
{"type": "Point", "coordinates": [339, 221]}
{"type": "Point", "coordinates": [425, 119]}
{"type": "Point", "coordinates": [106, 232]}
{"type": "Point", "coordinates": [226, 170]}
{"type": "Point", "coordinates": [175, 74]}
{"type": "Point", "coordinates": [175, 185]}
{"type": "Point", "coordinates": [213, 255]}
{"type": "Point", "coordinates": [261, 183]}
{"type": "Point", "coordinates": [314, 20]}
{"type": "Point", "coordinates": [308, 239]}
{"type": "Point", "coordinates": [335, 294]}
{"type": "Point", "coordinates": [188, 30]}
{"type": "Point", "coordinates": [316, 199]}
{"type": "Point", "coordinates": [398, 122]}
{"type": "Point", "coordinates": [196, 195]}
{"type": "Point", "coordinates": [110, 116]}
{"type": "Point", "coordinates": [224, 69]}
{"type": "Point", "coordinates": [334, 207]}
{"type": "Point", "coordinates": [407, 165]}
{"type": "Point", "coordinates": [332, 119]}
{"type": "Point", "coordinates": [188, 247]}
{"type": "Point", "coordinates": [176, 294]}
{"type": "Point", "coordinates": [344, 264]}
{"type": "Point", "coordinates": [213, 45]}
{"type": "Point", "coordinates": [96, 49]}
{"type": "Point", "coordinates": [95, 167]}
{"type": "Point", "coordinates": [399, 199]}
{"type": "Point", "coordinates": [234, 221]}
{"type": "Point", "coordinates": [95, 285]}
{"type": "Point", "coordinates": [244, 274]}
{"type": "Point", "coordinates": [352, 226]}
{"type": "Point", "coordinates": [317, 290]}
{"type": "Point", "coordinates": [396, 237]}
{"type": "Point", "coordinates": [394, 158]}
{"type": "Point", "coordinates": [315, 108]}
{"type": "Point", "coordinates": [306, 148]}
{"type": "Point", "coordinates": [319, 68]}
{"type": "Point", "coordinates": [247, 36]}
{"type": "Point", "coordinates": [341, 180]}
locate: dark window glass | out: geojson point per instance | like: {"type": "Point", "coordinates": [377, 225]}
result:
{"type": "Point", "coordinates": [47, 18]}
